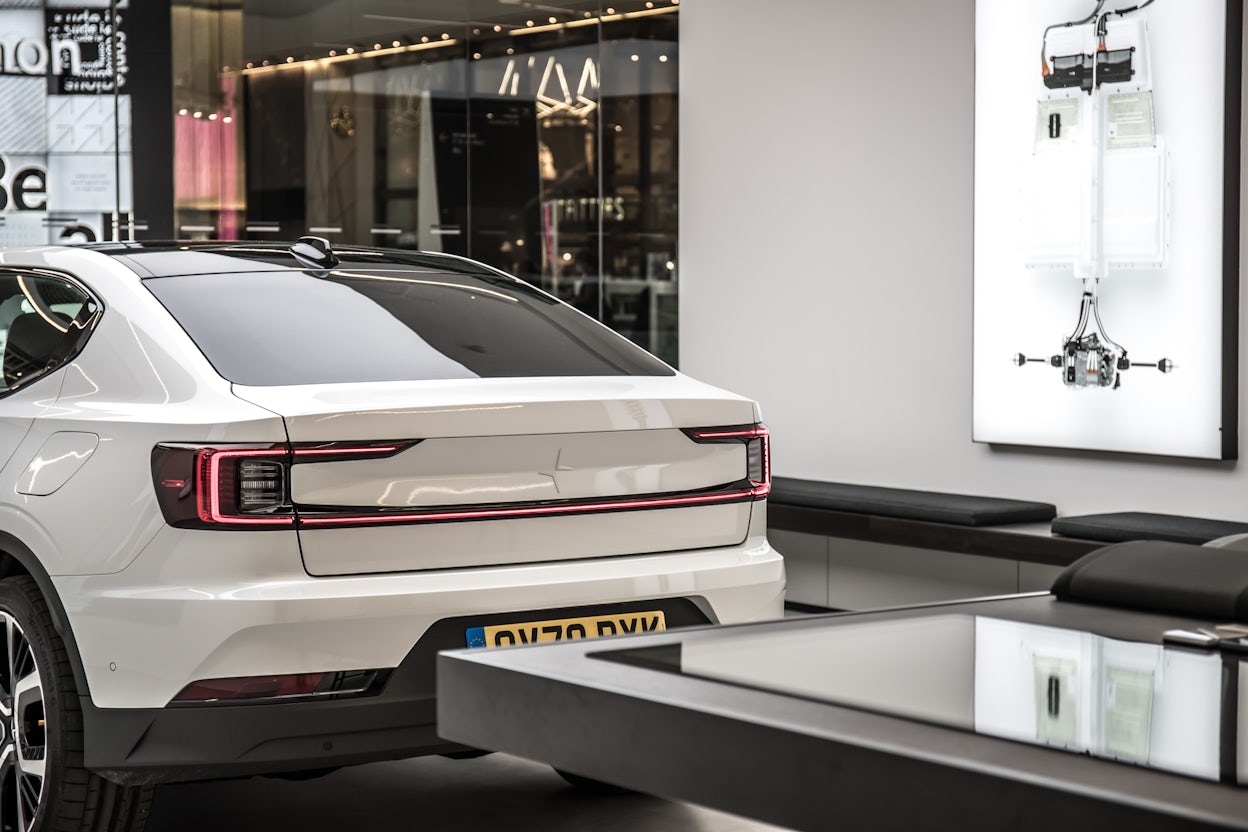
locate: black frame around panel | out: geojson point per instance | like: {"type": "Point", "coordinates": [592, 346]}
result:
{"type": "Point", "coordinates": [1230, 227]}
{"type": "Point", "coordinates": [806, 764]}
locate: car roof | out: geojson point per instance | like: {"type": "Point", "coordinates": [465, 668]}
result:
{"type": "Point", "coordinates": [150, 259]}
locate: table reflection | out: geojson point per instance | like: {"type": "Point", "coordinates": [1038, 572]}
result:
{"type": "Point", "coordinates": [1135, 702]}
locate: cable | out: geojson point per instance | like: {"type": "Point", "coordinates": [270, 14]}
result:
{"type": "Point", "coordinates": [1082, 326]}
{"type": "Point", "coordinates": [1101, 28]}
{"type": "Point", "coordinates": [1044, 60]}
{"type": "Point", "coordinates": [1096, 310]}
{"type": "Point", "coordinates": [1130, 9]}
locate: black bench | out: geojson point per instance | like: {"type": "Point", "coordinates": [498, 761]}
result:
{"type": "Point", "coordinates": [1161, 577]}
{"type": "Point", "coordinates": [960, 523]}
{"type": "Point", "coordinates": [1122, 526]}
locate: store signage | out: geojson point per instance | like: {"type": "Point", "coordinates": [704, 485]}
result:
{"type": "Point", "coordinates": [550, 100]}
{"type": "Point", "coordinates": [25, 190]}
{"type": "Point", "coordinates": [64, 135]}
{"type": "Point", "coordinates": [585, 209]}
{"type": "Point", "coordinates": [102, 60]}
{"type": "Point", "coordinates": [29, 56]}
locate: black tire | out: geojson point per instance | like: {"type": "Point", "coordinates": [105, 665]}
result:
{"type": "Point", "coordinates": [591, 786]}
{"type": "Point", "coordinates": [67, 797]}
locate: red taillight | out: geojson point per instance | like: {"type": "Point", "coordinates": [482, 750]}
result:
{"type": "Point", "coordinates": [349, 518]}
{"type": "Point", "coordinates": [338, 684]}
{"type": "Point", "coordinates": [247, 486]}
{"type": "Point", "coordinates": [222, 483]}
{"type": "Point", "coordinates": [251, 687]}
{"type": "Point", "coordinates": [241, 486]}
{"type": "Point", "coordinates": [757, 442]}
{"type": "Point", "coordinates": [341, 452]}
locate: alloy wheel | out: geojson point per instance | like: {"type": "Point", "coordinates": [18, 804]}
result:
{"type": "Point", "coordinates": [23, 729]}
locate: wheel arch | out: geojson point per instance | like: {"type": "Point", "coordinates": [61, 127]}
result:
{"type": "Point", "coordinates": [16, 558]}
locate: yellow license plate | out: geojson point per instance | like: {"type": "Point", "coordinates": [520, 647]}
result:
{"type": "Point", "coordinates": [566, 629]}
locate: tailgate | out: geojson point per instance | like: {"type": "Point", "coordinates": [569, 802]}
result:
{"type": "Point", "coordinates": [503, 471]}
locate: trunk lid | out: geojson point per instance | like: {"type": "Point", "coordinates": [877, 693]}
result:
{"type": "Point", "coordinates": [510, 470]}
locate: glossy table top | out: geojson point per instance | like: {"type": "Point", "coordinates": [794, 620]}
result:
{"type": "Point", "coordinates": [1013, 713]}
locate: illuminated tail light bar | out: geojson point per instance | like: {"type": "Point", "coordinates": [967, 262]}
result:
{"type": "Point", "coordinates": [247, 486]}
{"type": "Point", "coordinates": [757, 442]}
{"type": "Point", "coordinates": [225, 494]}
{"type": "Point", "coordinates": [242, 486]}
{"type": "Point", "coordinates": [383, 517]}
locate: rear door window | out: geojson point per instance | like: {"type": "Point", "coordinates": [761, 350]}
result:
{"type": "Point", "coordinates": [44, 321]}
{"type": "Point", "coordinates": [292, 327]}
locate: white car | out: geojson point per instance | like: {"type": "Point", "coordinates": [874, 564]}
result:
{"type": "Point", "coordinates": [248, 491]}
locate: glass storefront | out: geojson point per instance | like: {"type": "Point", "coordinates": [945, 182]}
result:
{"type": "Point", "coordinates": [538, 138]}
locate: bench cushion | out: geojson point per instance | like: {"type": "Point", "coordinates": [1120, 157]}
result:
{"type": "Point", "coordinates": [1159, 576]}
{"type": "Point", "coordinates": [957, 509]}
{"type": "Point", "coordinates": [1137, 525]}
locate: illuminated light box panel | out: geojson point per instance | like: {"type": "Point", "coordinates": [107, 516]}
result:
{"type": "Point", "coordinates": [1107, 226]}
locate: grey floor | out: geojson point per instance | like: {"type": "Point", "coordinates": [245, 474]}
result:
{"type": "Point", "coordinates": [431, 794]}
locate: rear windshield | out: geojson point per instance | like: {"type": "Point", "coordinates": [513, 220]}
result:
{"type": "Point", "coordinates": [291, 327]}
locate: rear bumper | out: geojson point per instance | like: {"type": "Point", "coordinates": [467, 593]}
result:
{"type": "Point", "coordinates": [196, 609]}
{"type": "Point", "coordinates": [172, 744]}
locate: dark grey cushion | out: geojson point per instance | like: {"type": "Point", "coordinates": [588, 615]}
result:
{"type": "Point", "coordinates": [957, 509]}
{"type": "Point", "coordinates": [1162, 577]}
{"type": "Point", "coordinates": [1138, 525]}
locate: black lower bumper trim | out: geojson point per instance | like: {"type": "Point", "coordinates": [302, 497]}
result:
{"type": "Point", "coordinates": [164, 745]}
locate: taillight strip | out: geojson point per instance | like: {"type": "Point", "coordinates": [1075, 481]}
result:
{"type": "Point", "coordinates": [756, 432]}
{"type": "Point", "coordinates": [434, 515]}
{"type": "Point", "coordinates": [207, 462]}
{"type": "Point", "coordinates": [336, 449]}
{"type": "Point", "coordinates": [208, 476]}
{"type": "Point", "coordinates": [193, 481]}
{"type": "Point", "coordinates": [745, 434]}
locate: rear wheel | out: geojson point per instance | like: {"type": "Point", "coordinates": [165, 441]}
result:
{"type": "Point", "coordinates": [43, 786]}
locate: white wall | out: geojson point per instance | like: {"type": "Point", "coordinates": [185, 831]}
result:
{"type": "Point", "coordinates": [825, 254]}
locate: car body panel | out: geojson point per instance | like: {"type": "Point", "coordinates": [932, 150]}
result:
{"type": "Point", "coordinates": [504, 441]}
{"type": "Point", "coordinates": [62, 456]}
{"type": "Point", "coordinates": [425, 546]}
{"type": "Point", "coordinates": [497, 407]}
{"type": "Point", "coordinates": [478, 470]}
{"type": "Point", "coordinates": [138, 381]}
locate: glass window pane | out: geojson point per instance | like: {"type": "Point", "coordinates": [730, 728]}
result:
{"type": "Point", "coordinates": [539, 139]}
{"type": "Point", "coordinates": [389, 326]}
{"type": "Point", "coordinates": [41, 319]}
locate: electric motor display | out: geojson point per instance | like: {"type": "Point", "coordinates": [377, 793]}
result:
{"type": "Point", "coordinates": [1096, 133]}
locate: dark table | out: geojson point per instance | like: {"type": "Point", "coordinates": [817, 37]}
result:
{"type": "Point", "coordinates": [740, 730]}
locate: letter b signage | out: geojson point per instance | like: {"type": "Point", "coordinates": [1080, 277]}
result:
{"type": "Point", "coordinates": [26, 190]}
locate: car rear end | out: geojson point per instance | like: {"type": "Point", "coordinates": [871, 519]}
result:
{"type": "Point", "coordinates": [466, 461]}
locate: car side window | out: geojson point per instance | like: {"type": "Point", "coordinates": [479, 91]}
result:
{"type": "Point", "coordinates": [42, 323]}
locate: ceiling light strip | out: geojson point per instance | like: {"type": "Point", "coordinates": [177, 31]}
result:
{"type": "Point", "coordinates": [354, 56]}
{"type": "Point", "coordinates": [606, 18]}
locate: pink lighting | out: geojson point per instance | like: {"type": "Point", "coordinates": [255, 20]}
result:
{"type": "Point", "coordinates": [206, 162]}
{"type": "Point", "coordinates": [624, 504]}
{"type": "Point", "coordinates": [208, 477]}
